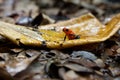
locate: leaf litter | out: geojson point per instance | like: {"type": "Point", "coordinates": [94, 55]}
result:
{"type": "Point", "coordinates": [87, 62]}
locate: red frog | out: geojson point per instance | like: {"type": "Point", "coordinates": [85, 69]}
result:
{"type": "Point", "coordinates": [70, 34]}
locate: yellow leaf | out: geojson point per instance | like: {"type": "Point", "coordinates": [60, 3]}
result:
{"type": "Point", "coordinates": [87, 27]}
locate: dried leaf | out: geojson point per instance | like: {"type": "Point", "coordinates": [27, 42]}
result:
{"type": "Point", "coordinates": [118, 50]}
{"type": "Point", "coordinates": [87, 26]}
{"type": "Point", "coordinates": [19, 63]}
{"type": "Point", "coordinates": [84, 62]}
{"type": "Point", "coordinates": [78, 68]}
{"type": "Point", "coordinates": [4, 75]}
{"type": "Point", "coordinates": [85, 54]}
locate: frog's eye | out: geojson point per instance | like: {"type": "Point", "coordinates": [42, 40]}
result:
{"type": "Point", "coordinates": [64, 29]}
{"type": "Point", "coordinates": [67, 30]}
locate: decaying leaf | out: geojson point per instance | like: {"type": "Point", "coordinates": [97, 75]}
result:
{"type": "Point", "coordinates": [4, 75]}
{"type": "Point", "coordinates": [31, 72]}
{"type": "Point", "coordinates": [17, 64]}
{"type": "Point", "coordinates": [84, 62]}
{"type": "Point", "coordinates": [19, 34]}
{"type": "Point", "coordinates": [84, 54]}
{"type": "Point", "coordinates": [87, 27]}
{"type": "Point", "coordinates": [78, 68]}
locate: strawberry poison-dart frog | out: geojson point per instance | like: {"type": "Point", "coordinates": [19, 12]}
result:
{"type": "Point", "coordinates": [70, 34]}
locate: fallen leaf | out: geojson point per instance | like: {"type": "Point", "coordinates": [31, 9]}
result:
{"type": "Point", "coordinates": [87, 26]}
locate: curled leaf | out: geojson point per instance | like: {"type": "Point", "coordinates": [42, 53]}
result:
{"type": "Point", "coordinates": [87, 27]}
